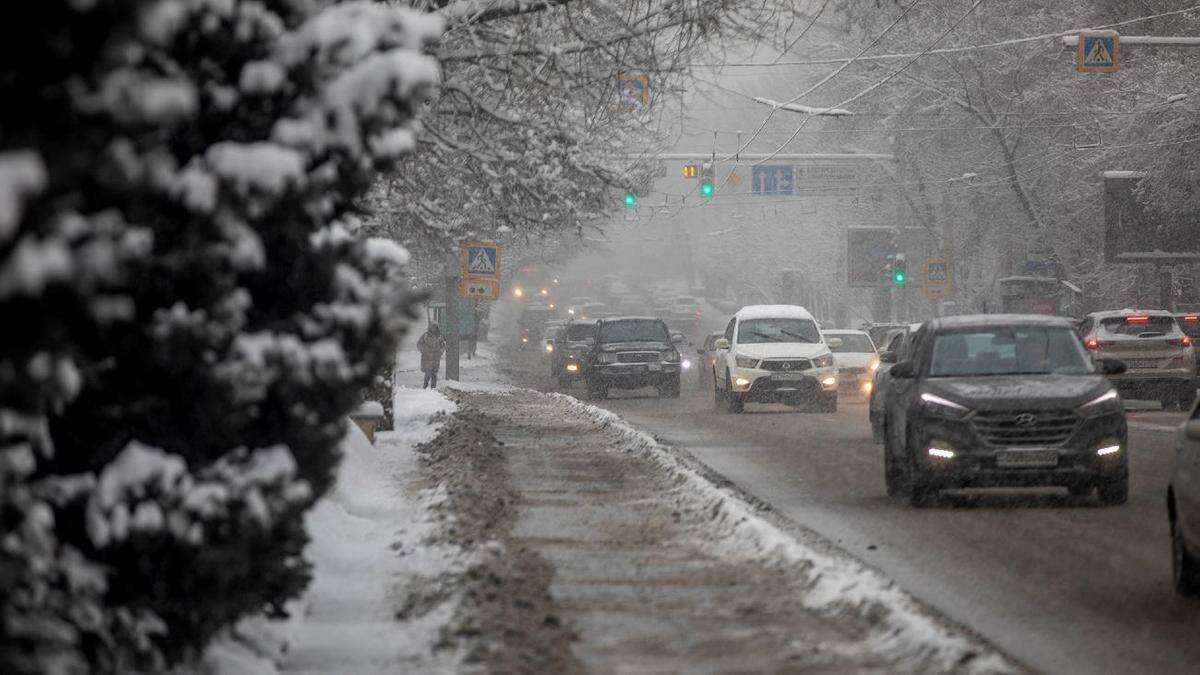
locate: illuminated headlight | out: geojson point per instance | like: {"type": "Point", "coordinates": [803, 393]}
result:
{"type": "Point", "coordinates": [867, 387]}
{"type": "Point", "coordinates": [572, 367]}
{"type": "Point", "coordinates": [524, 339]}
{"type": "Point", "coordinates": [944, 407]}
{"type": "Point", "coordinates": [874, 365]}
{"type": "Point", "coordinates": [549, 347]}
{"type": "Point", "coordinates": [686, 364]}
{"type": "Point", "coordinates": [823, 361]}
{"type": "Point", "coordinates": [670, 356]}
{"type": "Point", "coordinates": [941, 453]}
{"type": "Point", "coordinates": [517, 292]}
{"type": "Point", "coordinates": [607, 358]}
{"type": "Point", "coordinates": [1109, 401]}
{"type": "Point", "coordinates": [1109, 447]}
{"type": "Point", "coordinates": [745, 361]}
{"type": "Point", "coordinates": [742, 382]}
{"type": "Point", "coordinates": [571, 311]}
{"type": "Point", "coordinates": [829, 381]}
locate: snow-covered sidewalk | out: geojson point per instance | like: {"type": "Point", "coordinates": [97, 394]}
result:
{"type": "Point", "coordinates": [375, 547]}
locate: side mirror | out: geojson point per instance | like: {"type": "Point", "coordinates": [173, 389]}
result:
{"type": "Point", "coordinates": [1112, 366]}
{"type": "Point", "coordinates": [903, 370]}
{"type": "Point", "coordinates": [833, 342]}
{"type": "Point", "coordinates": [888, 357]}
{"type": "Point", "coordinates": [1192, 430]}
{"type": "Point", "coordinates": [721, 343]}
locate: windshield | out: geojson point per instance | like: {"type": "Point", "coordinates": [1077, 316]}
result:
{"type": "Point", "coordinates": [634, 330]}
{"type": "Point", "coordinates": [578, 332]}
{"type": "Point", "coordinates": [852, 343]}
{"type": "Point", "coordinates": [753, 331]}
{"type": "Point", "coordinates": [1138, 326]}
{"type": "Point", "coordinates": [1008, 351]}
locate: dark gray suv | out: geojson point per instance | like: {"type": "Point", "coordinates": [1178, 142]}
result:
{"type": "Point", "coordinates": [1003, 400]}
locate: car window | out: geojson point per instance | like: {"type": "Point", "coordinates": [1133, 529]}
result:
{"type": "Point", "coordinates": [1024, 350]}
{"type": "Point", "coordinates": [578, 332]}
{"type": "Point", "coordinates": [1138, 326]}
{"type": "Point", "coordinates": [853, 343]}
{"type": "Point", "coordinates": [757, 331]}
{"type": "Point", "coordinates": [634, 330]}
{"type": "Point", "coordinates": [893, 344]}
{"type": "Point", "coordinates": [729, 329]}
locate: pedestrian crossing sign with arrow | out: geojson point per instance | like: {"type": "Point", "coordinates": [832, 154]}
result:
{"type": "Point", "coordinates": [1098, 52]}
{"type": "Point", "coordinates": [481, 260]}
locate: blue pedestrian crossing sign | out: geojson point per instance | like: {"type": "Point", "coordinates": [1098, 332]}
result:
{"type": "Point", "coordinates": [481, 260]}
{"type": "Point", "coordinates": [1098, 52]}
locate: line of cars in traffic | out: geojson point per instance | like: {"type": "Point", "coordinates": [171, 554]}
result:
{"type": "Point", "coordinates": [964, 401]}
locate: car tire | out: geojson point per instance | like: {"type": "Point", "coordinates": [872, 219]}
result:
{"type": "Point", "coordinates": [669, 389]}
{"type": "Point", "coordinates": [1185, 568]}
{"type": "Point", "coordinates": [734, 402]}
{"type": "Point", "coordinates": [915, 486]}
{"type": "Point", "coordinates": [597, 392]}
{"type": "Point", "coordinates": [564, 383]}
{"type": "Point", "coordinates": [1114, 492]}
{"type": "Point", "coordinates": [718, 395]}
{"type": "Point", "coordinates": [828, 404]}
{"type": "Point", "coordinates": [1187, 397]}
{"type": "Point", "coordinates": [891, 473]}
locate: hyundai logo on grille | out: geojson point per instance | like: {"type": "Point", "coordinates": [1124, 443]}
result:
{"type": "Point", "coordinates": [1025, 420]}
{"type": "Point", "coordinates": [787, 365]}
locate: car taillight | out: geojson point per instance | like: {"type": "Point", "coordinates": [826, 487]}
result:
{"type": "Point", "coordinates": [1137, 319]}
{"type": "Point", "coordinates": [1091, 343]}
{"type": "Point", "coordinates": [1184, 341]}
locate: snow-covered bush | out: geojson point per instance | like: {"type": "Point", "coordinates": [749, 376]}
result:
{"type": "Point", "coordinates": [187, 310]}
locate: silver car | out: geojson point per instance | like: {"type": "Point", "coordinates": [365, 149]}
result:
{"type": "Point", "coordinates": [1160, 363]}
{"type": "Point", "coordinates": [1183, 507]}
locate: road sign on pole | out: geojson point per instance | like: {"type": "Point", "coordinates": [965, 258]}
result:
{"type": "Point", "coordinates": [1098, 52]}
{"type": "Point", "coordinates": [935, 279]}
{"type": "Point", "coordinates": [481, 260]}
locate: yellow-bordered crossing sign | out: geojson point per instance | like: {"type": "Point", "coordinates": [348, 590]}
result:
{"type": "Point", "coordinates": [1098, 52]}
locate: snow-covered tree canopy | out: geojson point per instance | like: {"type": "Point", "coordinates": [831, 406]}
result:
{"type": "Point", "coordinates": [188, 313]}
{"type": "Point", "coordinates": [530, 130]}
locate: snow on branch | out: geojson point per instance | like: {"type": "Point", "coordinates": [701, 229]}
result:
{"type": "Point", "coordinates": [804, 109]}
{"type": "Point", "coordinates": [483, 11]}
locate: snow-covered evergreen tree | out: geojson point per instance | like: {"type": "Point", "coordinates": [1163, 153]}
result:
{"type": "Point", "coordinates": [187, 311]}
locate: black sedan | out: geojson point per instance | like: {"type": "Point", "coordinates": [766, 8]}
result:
{"type": "Point", "coordinates": [1003, 400]}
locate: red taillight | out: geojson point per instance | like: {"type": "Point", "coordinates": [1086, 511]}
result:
{"type": "Point", "coordinates": [1137, 319]}
{"type": "Point", "coordinates": [1092, 343]}
{"type": "Point", "coordinates": [1184, 341]}
{"type": "Point", "coordinates": [1192, 317]}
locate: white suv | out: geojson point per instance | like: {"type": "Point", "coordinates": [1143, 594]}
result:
{"type": "Point", "coordinates": [774, 354]}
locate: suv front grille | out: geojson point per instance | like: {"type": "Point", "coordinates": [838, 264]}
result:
{"type": "Point", "coordinates": [637, 357]}
{"type": "Point", "coordinates": [1025, 427]}
{"type": "Point", "coordinates": [789, 365]}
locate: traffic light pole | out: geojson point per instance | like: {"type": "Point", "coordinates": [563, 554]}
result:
{"type": "Point", "coordinates": [450, 330]}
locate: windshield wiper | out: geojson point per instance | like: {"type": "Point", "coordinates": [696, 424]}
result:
{"type": "Point", "coordinates": [772, 338]}
{"type": "Point", "coordinates": [802, 338]}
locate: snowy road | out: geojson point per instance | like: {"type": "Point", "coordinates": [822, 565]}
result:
{"type": "Point", "coordinates": [1057, 582]}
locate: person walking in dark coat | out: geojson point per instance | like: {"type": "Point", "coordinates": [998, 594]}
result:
{"type": "Point", "coordinates": [431, 345]}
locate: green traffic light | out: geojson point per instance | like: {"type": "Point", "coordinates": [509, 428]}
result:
{"type": "Point", "coordinates": [630, 199]}
{"type": "Point", "coordinates": [706, 189]}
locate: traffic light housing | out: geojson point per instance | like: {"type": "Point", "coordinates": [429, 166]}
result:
{"type": "Point", "coordinates": [899, 272]}
{"type": "Point", "coordinates": [707, 186]}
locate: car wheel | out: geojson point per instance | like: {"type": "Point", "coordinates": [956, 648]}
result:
{"type": "Point", "coordinates": [1114, 492]}
{"type": "Point", "coordinates": [916, 488]}
{"type": "Point", "coordinates": [1185, 569]}
{"type": "Point", "coordinates": [891, 473]}
{"type": "Point", "coordinates": [718, 395]}
{"type": "Point", "coordinates": [674, 388]}
{"type": "Point", "coordinates": [735, 402]}
{"type": "Point", "coordinates": [1187, 397]}
{"type": "Point", "coordinates": [596, 391]}
{"type": "Point", "coordinates": [564, 383]}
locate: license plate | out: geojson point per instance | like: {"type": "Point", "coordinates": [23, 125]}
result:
{"type": "Point", "coordinates": [1141, 364]}
{"type": "Point", "coordinates": [788, 377]}
{"type": "Point", "coordinates": [654, 366]}
{"type": "Point", "coordinates": [1035, 457]}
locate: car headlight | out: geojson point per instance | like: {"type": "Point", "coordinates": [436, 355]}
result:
{"type": "Point", "coordinates": [670, 355]}
{"type": "Point", "coordinates": [823, 361]}
{"type": "Point", "coordinates": [686, 364]}
{"type": "Point", "coordinates": [1107, 402]}
{"type": "Point", "coordinates": [745, 361]}
{"type": "Point", "coordinates": [944, 407]}
{"type": "Point", "coordinates": [874, 365]}
{"type": "Point", "coordinates": [607, 358]}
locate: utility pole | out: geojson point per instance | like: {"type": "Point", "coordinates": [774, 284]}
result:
{"type": "Point", "coordinates": [450, 330]}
